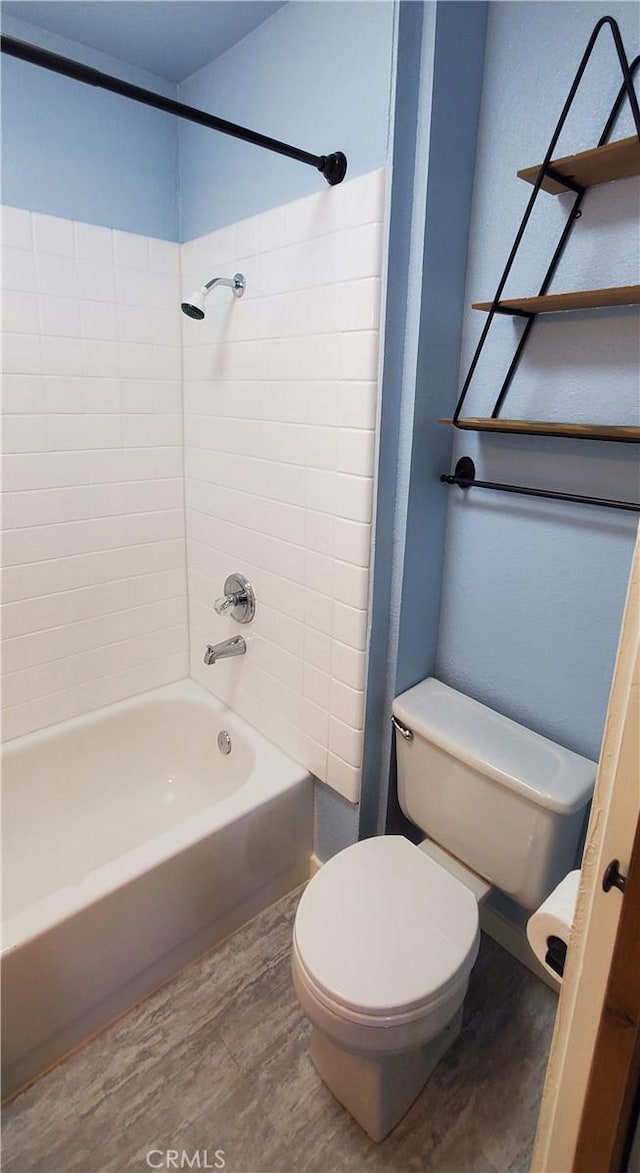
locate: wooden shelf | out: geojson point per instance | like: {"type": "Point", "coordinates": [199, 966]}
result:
{"type": "Point", "coordinates": [616, 160]}
{"type": "Point", "coordinates": [553, 303]}
{"type": "Point", "coordinates": [626, 434]}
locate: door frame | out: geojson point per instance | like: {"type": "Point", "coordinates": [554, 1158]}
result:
{"type": "Point", "coordinates": [612, 824]}
{"type": "Point", "coordinates": [606, 1125]}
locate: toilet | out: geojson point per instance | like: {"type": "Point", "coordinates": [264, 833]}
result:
{"type": "Point", "coordinates": [386, 933]}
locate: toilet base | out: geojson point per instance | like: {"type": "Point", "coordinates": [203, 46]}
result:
{"type": "Point", "coordinates": [377, 1090]}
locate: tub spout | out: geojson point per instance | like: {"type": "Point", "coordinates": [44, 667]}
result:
{"type": "Point", "coordinates": [236, 646]}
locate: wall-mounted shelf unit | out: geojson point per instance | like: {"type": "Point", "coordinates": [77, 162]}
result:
{"type": "Point", "coordinates": [618, 160]}
{"type": "Point", "coordinates": [575, 174]}
{"type": "Point", "coordinates": [625, 434]}
{"type": "Point", "coordinates": [554, 303]}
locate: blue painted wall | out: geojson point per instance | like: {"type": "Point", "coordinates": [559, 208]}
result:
{"type": "Point", "coordinates": [457, 84]}
{"type": "Point", "coordinates": [412, 115]}
{"type": "Point", "coordinates": [317, 75]}
{"type": "Point", "coordinates": [336, 822]}
{"type": "Point", "coordinates": [168, 38]}
{"type": "Point", "coordinates": [533, 592]}
{"type": "Point", "coordinates": [440, 60]}
{"type": "Point", "coordinates": [79, 152]}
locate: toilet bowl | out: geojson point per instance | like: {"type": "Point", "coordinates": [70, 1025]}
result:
{"type": "Point", "coordinates": [386, 933]}
{"type": "Point", "coordinates": [384, 943]}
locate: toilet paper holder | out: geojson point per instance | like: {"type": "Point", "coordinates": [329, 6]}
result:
{"type": "Point", "coordinates": [556, 954]}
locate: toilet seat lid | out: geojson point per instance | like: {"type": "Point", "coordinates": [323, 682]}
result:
{"type": "Point", "coordinates": [383, 929]}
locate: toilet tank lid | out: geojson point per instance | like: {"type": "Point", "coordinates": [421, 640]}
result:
{"type": "Point", "coordinates": [541, 771]}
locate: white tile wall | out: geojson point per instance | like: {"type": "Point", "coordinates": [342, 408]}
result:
{"type": "Point", "coordinates": [279, 426]}
{"type": "Point", "coordinates": [94, 586]}
{"type": "Point", "coordinates": [280, 409]}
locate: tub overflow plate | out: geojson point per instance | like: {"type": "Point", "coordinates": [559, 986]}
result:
{"type": "Point", "coordinates": [224, 742]}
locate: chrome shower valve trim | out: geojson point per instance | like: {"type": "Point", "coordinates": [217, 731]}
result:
{"type": "Point", "coordinates": [238, 600]}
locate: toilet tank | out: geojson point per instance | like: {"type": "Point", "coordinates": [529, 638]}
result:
{"type": "Point", "coordinates": [502, 799]}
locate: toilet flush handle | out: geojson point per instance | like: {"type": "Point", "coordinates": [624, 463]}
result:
{"type": "Point", "coordinates": [401, 729]}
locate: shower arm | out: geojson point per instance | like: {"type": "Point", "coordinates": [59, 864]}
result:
{"type": "Point", "coordinates": [333, 166]}
{"type": "Point", "coordinates": [236, 283]}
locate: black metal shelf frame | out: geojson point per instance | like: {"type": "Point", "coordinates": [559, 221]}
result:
{"type": "Point", "coordinates": [546, 169]}
{"type": "Point", "coordinates": [464, 476]}
{"type": "Point", "coordinates": [333, 166]}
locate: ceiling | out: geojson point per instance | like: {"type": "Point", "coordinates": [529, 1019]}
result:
{"type": "Point", "coordinates": [171, 38]}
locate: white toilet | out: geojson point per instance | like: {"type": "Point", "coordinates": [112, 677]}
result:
{"type": "Point", "coordinates": [386, 934]}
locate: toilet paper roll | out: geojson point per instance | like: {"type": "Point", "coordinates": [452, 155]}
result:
{"type": "Point", "coordinates": [554, 918]}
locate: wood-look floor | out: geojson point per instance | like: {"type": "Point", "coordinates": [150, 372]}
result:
{"type": "Point", "coordinates": [217, 1060]}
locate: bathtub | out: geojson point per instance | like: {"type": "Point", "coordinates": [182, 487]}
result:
{"type": "Point", "coordinates": [131, 844]}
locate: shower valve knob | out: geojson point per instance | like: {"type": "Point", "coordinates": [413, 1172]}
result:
{"type": "Point", "coordinates": [225, 604]}
{"type": "Point", "coordinates": [238, 600]}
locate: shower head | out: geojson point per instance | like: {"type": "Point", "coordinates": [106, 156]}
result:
{"type": "Point", "coordinates": [194, 306]}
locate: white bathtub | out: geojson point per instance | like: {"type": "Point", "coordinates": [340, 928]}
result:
{"type": "Point", "coordinates": [130, 845]}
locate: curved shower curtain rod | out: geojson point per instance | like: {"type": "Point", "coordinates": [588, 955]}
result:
{"type": "Point", "coordinates": [333, 166]}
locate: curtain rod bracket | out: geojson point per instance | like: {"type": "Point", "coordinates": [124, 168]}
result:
{"type": "Point", "coordinates": [333, 167]}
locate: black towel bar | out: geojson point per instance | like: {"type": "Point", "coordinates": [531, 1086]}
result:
{"type": "Point", "coordinates": [465, 476]}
